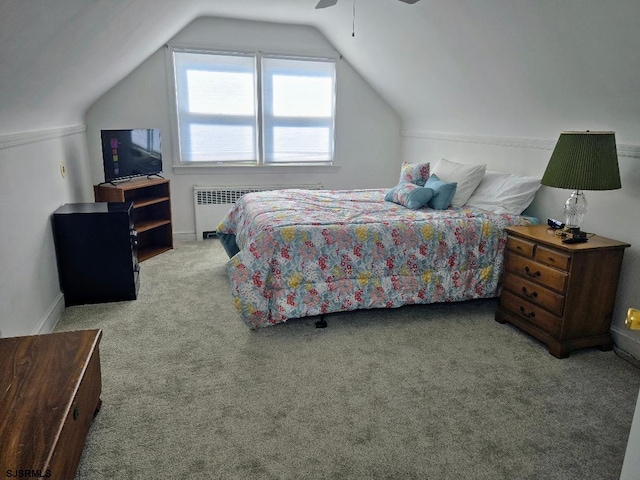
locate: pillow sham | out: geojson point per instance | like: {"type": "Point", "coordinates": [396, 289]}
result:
{"type": "Point", "coordinates": [417, 173]}
{"type": "Point", "coordinates": [504, 192]}
{"type": "Point", "coordinates": [467, 178]}
{"type": "Point", "coordinates": [443, 192]}
{"type": "Point", "coordinates": [409, 195]}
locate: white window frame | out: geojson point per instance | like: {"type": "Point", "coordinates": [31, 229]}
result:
{"type": "Point", "coordinates": [180, 166]}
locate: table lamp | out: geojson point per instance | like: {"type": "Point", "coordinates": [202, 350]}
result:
{"type": "Point", "coordinates": [582, 161]}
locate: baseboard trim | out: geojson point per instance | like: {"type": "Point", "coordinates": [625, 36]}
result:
{"type": "Point", "coordinates": [51, 317]}
{"type": "Point", "coordinates": [626, 341]}
{"type": "Point", "coordinates": [25, 138]}
{"type": "Point", "coordinates": [624, 150]}
{"type": "Point", "coordinates": [184, 236]}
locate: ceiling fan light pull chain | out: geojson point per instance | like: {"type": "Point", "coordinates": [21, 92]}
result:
{"type": "Point", "coordinates": [353, 24]}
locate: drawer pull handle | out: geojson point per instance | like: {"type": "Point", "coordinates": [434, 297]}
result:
{"type": "Point", "coordinates": [76, 412]}
{"type": "Point", "coordinates": [528, 272]}
{"type": "Point", "coordinates": [528, 315]}
{"type": "Point", "coordinates": [550, 259]}
{"type": "Point", "coordinates": [519, 248]}
{"type": "Point", "coordinates": [527, 294]}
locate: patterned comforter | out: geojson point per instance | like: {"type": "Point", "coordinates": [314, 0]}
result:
{"type": "Point", "coordinates": [305, 253]}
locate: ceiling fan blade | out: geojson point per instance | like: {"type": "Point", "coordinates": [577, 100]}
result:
{"type": "Point", "coordinates": [410, 2]}
{"type": "Point", "coordinates": [326, 3]}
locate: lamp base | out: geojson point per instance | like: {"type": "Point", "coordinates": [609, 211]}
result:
{"type": "Point", "coordinates": [575, 208]}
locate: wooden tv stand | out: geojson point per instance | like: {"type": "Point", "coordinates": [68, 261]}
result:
{"type": "Point", "coordinates": [151, 199]}
{"type": "Point", "coordinates": [49, 393]}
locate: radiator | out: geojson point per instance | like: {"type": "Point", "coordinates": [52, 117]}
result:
{"type": "Point", "coordinates": [212, 203]}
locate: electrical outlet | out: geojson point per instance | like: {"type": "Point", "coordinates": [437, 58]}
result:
{"type": "Point", "coordinates": [63, 170]}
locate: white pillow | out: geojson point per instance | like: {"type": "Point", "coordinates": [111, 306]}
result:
{"type": "Point", "coordinates": [504, 192]}
{"type": "Point", "coordinates": [467, 177]}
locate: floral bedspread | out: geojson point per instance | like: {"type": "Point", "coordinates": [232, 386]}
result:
{"type": "Point", "coordinates": [305, 253]}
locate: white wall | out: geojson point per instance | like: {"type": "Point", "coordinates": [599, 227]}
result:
{"type": "Point", "coordinates": [31, 188]}
{"type": "Point", "coordinates": [614, 214]}
{"type": "Point", "coordinates": [367, 129]}
{"type": "Point", "coordinates": [631, 464]}
{"type": "Point", "coordinates": [518, 68]}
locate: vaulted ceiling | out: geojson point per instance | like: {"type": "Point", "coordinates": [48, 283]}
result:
{"type": "Point", "coordinates": [496, 67]}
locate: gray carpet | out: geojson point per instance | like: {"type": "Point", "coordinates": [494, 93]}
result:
{"type": "Point", "coordinates": [429, 392]}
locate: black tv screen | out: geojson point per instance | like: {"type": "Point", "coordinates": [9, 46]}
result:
{"type": "Point", "coordinates": [131, 153]}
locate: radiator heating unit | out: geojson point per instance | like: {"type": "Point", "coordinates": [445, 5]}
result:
{"type": "Point", "coordinates": [212, 203]}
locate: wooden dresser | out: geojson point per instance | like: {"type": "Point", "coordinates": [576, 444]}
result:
{"type": "Point", "coordinates": [562, 294]}
{"type": "Point", "coordinates": [49, 393]}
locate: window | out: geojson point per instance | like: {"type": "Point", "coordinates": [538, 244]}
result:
{"type": "Point", "coordinates": [254, 109]}
{"type": "Point", "coordinates": [298, 110]}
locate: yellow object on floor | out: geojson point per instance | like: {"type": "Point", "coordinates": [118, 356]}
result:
{"type": "Point", "coordinates": [633, 319]}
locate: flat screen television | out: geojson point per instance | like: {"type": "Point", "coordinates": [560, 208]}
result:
{"type": "Point", "coordinates": [131, 153]}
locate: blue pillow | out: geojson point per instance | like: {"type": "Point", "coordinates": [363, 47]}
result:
{"type": "Point", "coordinates": [443, 192]}
{"type": "Point", "coordinates": [409, 195]}
{"type": "Point", "coordinates": [389, 196]}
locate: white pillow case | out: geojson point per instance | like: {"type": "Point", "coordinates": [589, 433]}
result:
{"type": "Point", "coordinates": [504, 192]}
{"type": "Point", "coordinates": [468, 177]}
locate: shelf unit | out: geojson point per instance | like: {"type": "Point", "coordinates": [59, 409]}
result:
{"type": "Point", "coordinates": [151, 199]}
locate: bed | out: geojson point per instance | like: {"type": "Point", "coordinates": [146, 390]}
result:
{"type": "Point", "coordinates": [299, 253]}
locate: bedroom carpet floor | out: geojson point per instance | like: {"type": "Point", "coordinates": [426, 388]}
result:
{"type": "Point", "coordinates": [421, 392]}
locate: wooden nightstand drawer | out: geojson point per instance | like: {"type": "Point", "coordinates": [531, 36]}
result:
{"type": "Point", "coordinates": [535, 293]}
{"type": "Point", "coordinates": [536, 272]}
{"type": "Point", "coordinates": [531, 313]}
{"type": "Point", "coordinates": [523, 247]}
{"type": "Point", "coordinates": [553, 257]}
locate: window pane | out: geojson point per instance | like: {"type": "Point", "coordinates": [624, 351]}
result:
{"type": "Point", "coordinates": [294, 144]}
{"type": "Point", "coordinates": [220, 143]}
{"type": "Point", "coordinates": [220, 93]}
{"type": "Point", "coordinates": [302, 96]}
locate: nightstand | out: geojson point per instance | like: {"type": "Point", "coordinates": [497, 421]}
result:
{"type": "Point", "coordinates": [562, 294]}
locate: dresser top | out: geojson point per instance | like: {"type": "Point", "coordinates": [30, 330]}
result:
{"type": "Point", "coordinates": [549, 236]}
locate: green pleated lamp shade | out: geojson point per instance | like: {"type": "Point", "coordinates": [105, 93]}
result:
{"type": "Point", "coordinates": [584, 161]}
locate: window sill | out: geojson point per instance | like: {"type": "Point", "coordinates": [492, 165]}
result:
{"type": "Point", "coordinates": [261, 169]}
